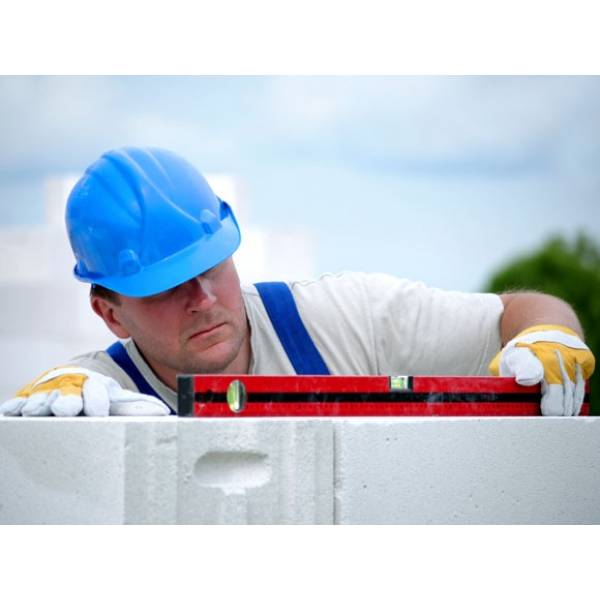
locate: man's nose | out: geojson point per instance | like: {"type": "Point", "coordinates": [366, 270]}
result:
{"type": "Point", "coordinates": [200, 294]}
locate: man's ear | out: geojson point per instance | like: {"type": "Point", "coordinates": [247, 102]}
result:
{"type": "Point", "coordinates": [108, 312]}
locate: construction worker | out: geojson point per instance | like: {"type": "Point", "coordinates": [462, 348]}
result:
{"type": "Point", "coordinates": [156, 245]}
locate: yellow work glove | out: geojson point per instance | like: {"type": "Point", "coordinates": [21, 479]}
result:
{"type": "Point", "coordinates": [554, 355]}
{"type": "Point", "coordinates": [71, 391]}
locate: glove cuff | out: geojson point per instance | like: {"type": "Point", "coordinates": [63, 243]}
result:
{"type": "Point", "coordinates": [536, 328]}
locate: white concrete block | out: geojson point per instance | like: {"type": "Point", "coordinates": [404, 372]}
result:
{"type": "Point", "coordinates": [468, 470]}
{"type": "Point", "coordinates": [61, 471]}
{"type": "Point", "coordinates": [170, 470]}
{"type": "Point", "coordinates": [151, 457]}
{"type": "Point", "coordinates": [88, 470]}
{"type": "Point", "coordinates": [255, 471]}
{"type": "Point", "coordinates": [165, 470]}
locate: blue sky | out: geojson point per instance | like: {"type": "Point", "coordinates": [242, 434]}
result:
{"type": "Point", "coordinates": [433, 178]}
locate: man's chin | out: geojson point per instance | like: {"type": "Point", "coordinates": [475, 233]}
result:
{"type": "Point", "coordinates": [214, 359]}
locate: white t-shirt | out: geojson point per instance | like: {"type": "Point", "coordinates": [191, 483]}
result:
{"type": "Point", "coordinates": [362, 324]}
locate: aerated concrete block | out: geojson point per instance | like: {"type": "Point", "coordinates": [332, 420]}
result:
{"type": "Point", "coordinates": [165, 470]}
{"type": "Point", "coordinates": [88, 470]}
{"type": "Point", "coordinates": [61, 471]}
{"type": "Point", "coordinates": [468, 470]}
{"type": "Point", "coordinates": [151, 456]}
{"type": "Point", "coordinates": [259, 471]}
{"type": "Point", "coordinates": [170, 470]}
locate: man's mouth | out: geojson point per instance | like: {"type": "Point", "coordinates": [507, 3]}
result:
{"type": "Point", "coordinates": [207, 331]}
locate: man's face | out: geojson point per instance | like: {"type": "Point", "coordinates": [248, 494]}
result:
{"type": "Point", "coordinates": [199, 326]}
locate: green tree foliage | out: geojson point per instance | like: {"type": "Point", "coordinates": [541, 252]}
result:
{"type": "Point", "coordinates": [569, 270]}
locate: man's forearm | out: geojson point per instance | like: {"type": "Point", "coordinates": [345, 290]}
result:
{"type": "Point", "coordinates": [527, 309]}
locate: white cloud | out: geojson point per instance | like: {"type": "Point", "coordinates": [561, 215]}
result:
{"type": "Point", "coordinates": [48, 122]}
{"type": "Point", "coordinates": [433, 118]}
{"type": "Point", "coordinates": [43, 116]}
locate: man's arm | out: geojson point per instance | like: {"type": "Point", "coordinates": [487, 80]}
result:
{"type": "Point", "coordinates": [542, 341]}
{"type": "Point", "coordinates": [527, 309]}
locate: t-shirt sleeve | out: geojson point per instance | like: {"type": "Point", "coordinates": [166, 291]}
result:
{"type": "Point", "coordinates": [421, 330]}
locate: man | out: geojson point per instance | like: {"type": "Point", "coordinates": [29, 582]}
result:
{"type": "Point", "coordinates": [156, 245]}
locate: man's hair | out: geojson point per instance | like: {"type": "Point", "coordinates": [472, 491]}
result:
{"type": "Point", "coordinates": [102, 292]}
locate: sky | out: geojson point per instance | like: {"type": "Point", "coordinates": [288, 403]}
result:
{"type": "Point", "coordinates": [437, 178]}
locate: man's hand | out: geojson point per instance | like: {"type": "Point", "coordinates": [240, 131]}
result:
{"type": "Point", "coordinates": [71, 391]}
{"type": "Point", "coordinates": [554, 355]}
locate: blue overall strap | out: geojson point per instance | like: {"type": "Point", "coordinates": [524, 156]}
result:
{"type": "Point", "coordinates": [118, 353]}
{"type": "Point", "coordinates": [290, 329]}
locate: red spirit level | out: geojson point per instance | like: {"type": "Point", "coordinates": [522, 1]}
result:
{"type": "Point", "coordinates": [356, 396]}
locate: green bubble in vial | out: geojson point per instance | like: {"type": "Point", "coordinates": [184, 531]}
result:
{"type": "Point", "coordinates": [236, 396]}
{"type": "Point", "coordinates": [399, 382]}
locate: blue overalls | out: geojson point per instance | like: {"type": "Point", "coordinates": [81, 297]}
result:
{"type": "Point", "coordinates": [281, 309]}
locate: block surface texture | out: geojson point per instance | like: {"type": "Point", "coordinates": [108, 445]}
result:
{"type": "Point", "coordinates": [468, 471]}
{"type": "Point", "coordinates": [165, 470]}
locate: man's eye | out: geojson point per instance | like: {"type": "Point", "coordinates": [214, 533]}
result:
{"type": "Point", "coordinates": [161, 295]}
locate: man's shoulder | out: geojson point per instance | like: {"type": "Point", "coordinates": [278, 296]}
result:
{"type": "Point", "coordinates": [349, 292]}
{"type": "Point", "coordinates": [336, 281]}
{"type": "Point", "coordinates": [101, 362]}
{"type": "Point", "coordinates": [97, 360]}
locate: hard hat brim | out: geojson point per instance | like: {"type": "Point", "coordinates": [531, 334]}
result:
{"type": "Point", "coordinates": [178, 268]}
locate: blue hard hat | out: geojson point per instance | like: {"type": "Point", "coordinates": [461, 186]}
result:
{"type": "Point", "coordinates": [143, 220]}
